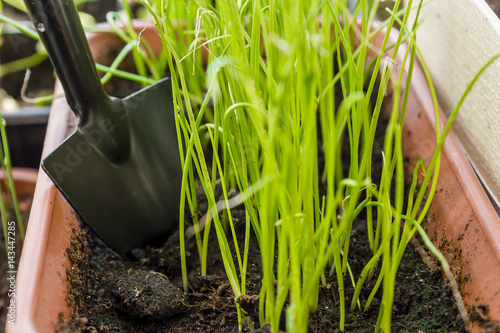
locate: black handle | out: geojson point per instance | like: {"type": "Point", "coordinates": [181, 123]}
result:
{"type": "Point", "coordinates": [61, 32]}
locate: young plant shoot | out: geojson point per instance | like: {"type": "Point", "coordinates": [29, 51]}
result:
{"type": "Point", "coordinates": [280, 104]}
{"type": "Point", "coordinates": [280, 101]}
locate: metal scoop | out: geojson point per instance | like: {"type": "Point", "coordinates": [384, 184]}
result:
{"type": "Point", "coordinates": [120, 169]}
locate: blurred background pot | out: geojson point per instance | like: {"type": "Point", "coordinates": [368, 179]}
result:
{"type": "Point", "coordinates": [24, 182]}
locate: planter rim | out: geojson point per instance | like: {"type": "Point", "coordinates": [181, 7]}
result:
{"type": "Point", "coordinates": [25, 175]}
{"type": "Point", "coordinates": [29, 115]}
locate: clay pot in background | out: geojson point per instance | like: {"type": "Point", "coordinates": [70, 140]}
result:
{"type": "Point", "coordinates": [24, 182]}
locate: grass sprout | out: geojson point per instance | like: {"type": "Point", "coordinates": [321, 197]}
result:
{"type": "Point", "coordinates": [292, 86]}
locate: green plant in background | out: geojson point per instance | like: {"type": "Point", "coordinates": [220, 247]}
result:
{"type": "Point", "coordinates": [22, 64]}
{"type": "Point", "coordinates": [89, 23]}
{"type": "Point", "coordinates": [39, 56]}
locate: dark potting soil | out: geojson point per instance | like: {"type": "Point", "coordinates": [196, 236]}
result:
{"type": "Point", "coordinates": [110, 294]}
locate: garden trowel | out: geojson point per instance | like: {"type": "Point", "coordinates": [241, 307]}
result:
{"type": "Point", "coordinates": [120, 169]}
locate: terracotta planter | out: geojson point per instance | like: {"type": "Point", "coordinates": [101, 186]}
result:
{"type": "Point", "coordinates": [24, 182]}
{"type": "Point", "coordinates": [463, 219]}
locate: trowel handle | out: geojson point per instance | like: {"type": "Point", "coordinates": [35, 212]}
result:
{"type": "Point", "coordinates": [61, 32]}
